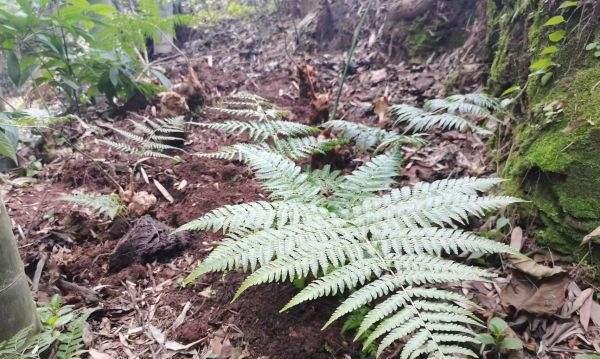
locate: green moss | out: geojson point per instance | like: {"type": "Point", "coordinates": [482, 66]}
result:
{"type": "Point", "coordinates": [549, 152]}
{"type": "Point", "coordinates": [556, 163]}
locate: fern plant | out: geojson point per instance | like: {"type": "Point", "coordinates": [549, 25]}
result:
{"type": "Point", "coordinates": [265, 126]}
{"type": "Point", "coordinates": [152, 138]}
{"type": "Point", "coordinates": [107, 205]}
{"type": "Point", "coordinates": [61, 336]}
{"type": "Point", "coordinates": [453, 112]}
{"type": "Point", "coordinates": [382, 248]}
{"type": "Point", "coordinates": [263, 123]}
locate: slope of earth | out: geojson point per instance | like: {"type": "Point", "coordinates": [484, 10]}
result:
{"type": "Point", "coordinates": [142, 311]}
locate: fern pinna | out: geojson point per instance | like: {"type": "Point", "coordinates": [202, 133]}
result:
{"type": "Point", "coordinates": [453, 112]}
{"type": "Point", "coordinates": [381, 251]}
{"type": "Point", "coordinates": [152, 138]}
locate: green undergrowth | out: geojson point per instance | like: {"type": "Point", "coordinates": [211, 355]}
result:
{"type": "Point", "coordinates": [557, 160]}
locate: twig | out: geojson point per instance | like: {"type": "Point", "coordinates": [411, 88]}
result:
{"type": "Point", "coordinates": [8, 103]}
{"type": "Point", "coordinates": [349, 59]}
{"type": "Point", "coordinates": [38, 273]}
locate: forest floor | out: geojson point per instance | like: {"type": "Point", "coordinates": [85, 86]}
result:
{"type": "Point", "coordinates": [143, 312]}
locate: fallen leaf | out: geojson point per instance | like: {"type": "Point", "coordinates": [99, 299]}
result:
{"type": "Point", "coordinates": [157, 334]}
{"type": "Point", "coordinates": [594, 236]}
{"type": "Point", "coordinates": [516, 238]}
{"type": "Point", "coordinates": [545, 298]}
{"type": "Point", "coordinates": [141, 203]}
{"type": "Point", "coordinates": [529, 266]}
{"type": "Point", "coordinates": [378, 75]}
{"type": "Point", "coordinates": [585, 313]}
{"type": "Point", "coordinates": [380, 107]}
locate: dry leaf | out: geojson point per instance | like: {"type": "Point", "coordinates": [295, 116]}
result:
{"type": "Point", "coordinates": [380, 107]}
{"type": "Point", "coordinates": [378, 75]}
{"type": "Point", "coordinates": [546, 298]}
{"type": "Point", "coordinates": [157, 334]}
{"type": "Point", "coordinates": [141, 203]}
{"type": "Point", "coordinates": [585, 313]}
{"type": "Point", "coordinates": [516, 238]}
{"type": "Point", "coordinates": [94, 354]}
{"type": "Point", "coordinates": [529, 266]}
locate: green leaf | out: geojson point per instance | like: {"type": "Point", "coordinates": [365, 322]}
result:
{"type": "Point", "coordinates": [486, 339]}
{"type": "Point", "coordinates": [497, 326]}
{"type": "Point", "coordinates": [555, 20]}
{"type": "Point", "coordinates": [597, 54]}
{"type": "Point", "coordinates": [549, 50]}
{"type": "Point", "coordinates": [14, 68]}
{"type": "Point", "coordinates": [568, 4]}
{"type": "Point", "coordinates": [556, 36]}
{"type": "Point", "coordinates": [546, 78]}
{"type": "Point", "coordinates": [113, 75]}
{"type": "Point", "coordinates": [162, 78]}
{"type": "Point", "coordinates": [541, 64]}
{"type": "Point", "coordinates": [591, 46]}
{"type": "Point", "coordinates": [508, 91]}
{"type": "Point", "coordinates": [7, 147]}
{"type": "Point", "coordinates": [511, 344]}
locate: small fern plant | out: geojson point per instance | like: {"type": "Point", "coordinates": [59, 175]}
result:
{"type": "Point", "coordinates": [109, 205]}
{"type": "Point", "coordinates": [152, 139]}
{"type": "Point", "coordinates": [454, 112]}
{"type": "Point", "coordinates": [266, 128]}
{"type": "Point", "coordinates": [61, 336]}
{"type": "Point", "coordinates": [354, 236]}
{"type": "Point", "coordinates": [263, 123]}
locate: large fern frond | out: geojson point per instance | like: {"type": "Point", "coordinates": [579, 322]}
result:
{"type": "Point", "coordinates": [479, 99]}
{"type": "Point", "coordinates": [260, 131]}
{"type": "Point", "coordinates": [387, 249]}
{"type": "Point", "coordinates": [295, 148]}
{"type": "Point", "coordinates": [108, 205]}
{"type": "Point", "coordinates": [419, 120]}
{"type": "Point", "coordinates": [249, 106]}
{"type": "Point", "coordinates": [256, 216]}
{"type": "Point", "coordinates": [365, 137]}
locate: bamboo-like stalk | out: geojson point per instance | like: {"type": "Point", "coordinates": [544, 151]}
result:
{"type": "Point", "coordinates": [17, 309]}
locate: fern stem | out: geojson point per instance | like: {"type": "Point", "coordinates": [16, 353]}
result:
{"type": "Point", "coordinates": [357, 31]}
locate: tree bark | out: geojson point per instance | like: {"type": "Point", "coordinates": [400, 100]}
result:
{"type": "Point", "coordinates": [17, 309]}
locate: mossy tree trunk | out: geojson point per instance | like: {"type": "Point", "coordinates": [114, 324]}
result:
{"type": "Point", "coordinates": [17, 309]}
{"type": "Point", "coordinates": [554, 158]}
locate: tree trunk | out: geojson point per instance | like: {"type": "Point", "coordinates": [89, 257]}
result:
{"type": "Point", "coordinates": [17, 309]}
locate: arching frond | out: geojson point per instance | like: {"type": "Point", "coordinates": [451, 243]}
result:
{"type": "Point", "coordinates": [365, 137]}
{"type": "Point", "coordinates": [249, 106]}
{"type": "Point", "coordinates": [260, 131]}
{"type": "Point", "coordinates": [479, 99]}
{"type": "Point", "coordinates": [369, 179]}
{"type": "Point", "coordinates": [256, 216]}
{"type": "Point", "coordinates": [304, 147]}
{"type": "Point", "coordinates": [153, 138]}
{"type": "Point", "coordinates": [422, 190]}
{"type": "Point", "coordinates": [456, 107]}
